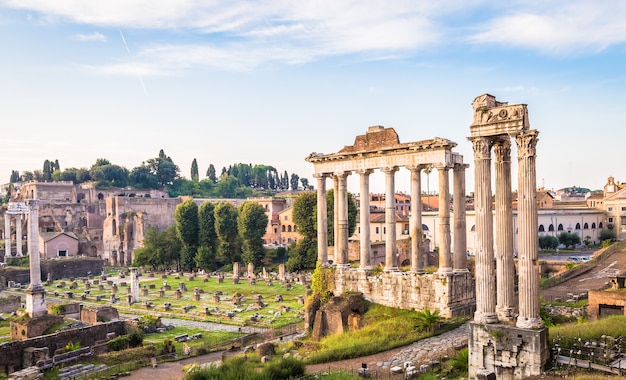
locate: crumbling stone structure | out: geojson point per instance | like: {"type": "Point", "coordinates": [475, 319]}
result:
{"type": "Point", "coordinates": [380, 149]}
{"type": "Point", "coordinates": [496, 347]}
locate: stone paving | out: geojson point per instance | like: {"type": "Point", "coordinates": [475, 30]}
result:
{"type": "Point", "coordinates": [430, 349]}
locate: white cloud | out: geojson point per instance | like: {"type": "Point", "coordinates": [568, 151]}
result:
{"type": "Point", "coordinates": [90, 37]}
{"type": "Point", "coordinates": [561, 27]}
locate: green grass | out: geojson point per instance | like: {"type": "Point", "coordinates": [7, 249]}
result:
{"type": "Point", "coordinates": [385, 328]}
{"type": "Point", "coordinates": [209, 339]}
{"type": "Point", "coordinates": [614, 326]}
{"type": "Point", "coordinates": [243, 312]}
{"type": "Point", "coordinates": [5, 331]}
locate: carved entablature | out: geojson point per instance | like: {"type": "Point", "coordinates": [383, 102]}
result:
{"type": "Point", "coordinates": [492, 118]}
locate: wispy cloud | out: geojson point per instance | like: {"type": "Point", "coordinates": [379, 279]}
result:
{"type": "Point", "coordinates": [90, 37]}
{"type": "Point", "coordinates": [243, 34]}
{"type": "Point", "coordinates": [557, 27]}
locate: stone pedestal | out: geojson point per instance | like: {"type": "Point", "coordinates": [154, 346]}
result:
{"type": "Point", "coordinates": [507, 351]}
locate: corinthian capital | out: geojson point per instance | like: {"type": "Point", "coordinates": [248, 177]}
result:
{"type": "Point", "coordinates": [502, 150]}
{"type": "Point", "coordinates": [527, 143]}
{"type": "Point", "coordinates": [482, 147]}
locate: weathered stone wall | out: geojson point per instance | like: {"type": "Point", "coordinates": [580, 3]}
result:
{"type": "Point", "coordinates": [11, 357]}
{"type": "Point", "coordinates": [507, 351]}
{"type": "Point", "coordinates": [106, 313]}
{"type": "Point", "coordinates": [453, 294]}
{"type": "Point", "coordinates": [71, 267]}
{"type": "Point", "coordinates": [604, 297]}
{"type": "Point", "coordinates": [10, 304]}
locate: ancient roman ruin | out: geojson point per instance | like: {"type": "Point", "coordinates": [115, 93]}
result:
{"type": "Point", "coordinates": [451, 289]}
{"type": "Point", "coordinates": [507, 339]}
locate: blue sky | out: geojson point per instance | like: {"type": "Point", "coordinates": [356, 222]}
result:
{"type": "Point", "coordinates": [268, 82]}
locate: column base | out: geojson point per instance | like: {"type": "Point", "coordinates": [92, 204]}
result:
{"type": "Point", "coordinates": [418, 271]}
{"type": "Point", "coordinates": [444, 270]}
{"type": "Point", "coordinates": [392, 269]}
{"type": "Point", "coordinates": [529, 323]}
{"type": "Point", "coordinates": [485, 318]}
{"type": "Point", "coordinates": [343, 266]}
{"type": "Point", "coordinates": [36, 302]}
{"type": "Point", "coordinates": [461, 270]}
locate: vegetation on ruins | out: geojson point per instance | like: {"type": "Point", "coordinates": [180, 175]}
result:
{"type": "Point", "coordinates": [384, 328]}
{"type": "Point", "coordinates": [251, 223]}
{"type": "Point", "coordinates": [235, 181]}
{"type": "Point", "coordinates": [250, 367]}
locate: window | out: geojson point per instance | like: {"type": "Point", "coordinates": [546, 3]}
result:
{"type": "Point", "coordinates": [586, 226]}
{"type": "Point", "coordinates": [610, 209]}
{"type": "Point", "coordinates": [62, 252]}
{"type": "Point", "coordinates": [623, 208]}
{"type": "Point", "coordinates": [593, 226]}
{"type": "Point", "coordinates": [560, 227]}
{"type": "Point", "coordinates": [551, 228]}
{"type": "Point", "coordinates": [610, 220]}
{"type": "Point", "coordinates": [286, 217]}
{"type": "Point", "coordinates": [600, 225]}
{"type": "Point", "coordinates": [541, 228]}
{"type": "Point", "coordinates": [377, 230]}
{"type": "Point", "coordinates": [289, 228]}
{"type": "Point", "coordinates": [623, 219]}
{"type": "Point", "coordinates": [284, 229]}
{"type": "Point", "coordinates": [577, 226]}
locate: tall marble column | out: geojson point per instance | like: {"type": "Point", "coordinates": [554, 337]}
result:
{"type": "Point", "coordinates": [460, 228]}
{"type": "Point", "coordinates": [35, 294]}
{"type": "Point", "coordinates": [528, 245]}
{"type": "Point", "coordinates": [322, 222]}
{"type": "Point", "coordinates": [505, 266]}
{"type": "Point", "coordinates": [445, 258]}
{"type": "Point", "coordinates": [18, 235]}
{"type": "Point", "coordinates": [335, 217]}
{"type": "Point", "coordinates": [364, 220]}
{"type": "Point", "coordinates": [7, 235]}
{"type": "Point", "coordinates": [485, 276]}
{"type": "Point", "coordinates": [417, 262]}
{"type": "Point", "coordinates": [342, 219]}
{"type": "Point", "coordinates": [391, 261]}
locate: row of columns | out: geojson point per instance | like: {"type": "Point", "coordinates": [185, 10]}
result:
{"type": "Point", "coordinates": [7, 234]}
{"type": "Point", "coordinates": [448, 262]}
{"type": "Point", "coordinates": [495, 295]}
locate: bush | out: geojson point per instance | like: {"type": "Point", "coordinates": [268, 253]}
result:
{"type": "Point", "coordinates": [285, 369]}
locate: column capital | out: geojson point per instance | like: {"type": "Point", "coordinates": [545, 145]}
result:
{"type": "Point", "coordinates": [418, 167]}
{"type": "Point", "coordinates": [321, 175]}
{"type": "Point", "coordinates": [482, 147]}
{"type": "Point", "coordinates": [460, 167]}
{"type": "Point", "coordinates": [527, 143]}
{"type": "Point", "coordinates": [33, 204]}
{"type": "Point", "coordinates": [502, 150]}
{"type": "Point", "coordinates": [341, 175]}
{"type": "Point", "coordinates": [389, 169]}
{"type": "Point", "coordinates": [364, 171]}
{"type": "Point", "coordinates": [442, 166]}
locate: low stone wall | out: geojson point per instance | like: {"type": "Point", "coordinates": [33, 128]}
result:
{"type": "Point", "coordinates": [70, 267]}
{"type": "Point", "coordinates": [105, 313]}
{"type": "Point", "coordinates": [10, 304]}
{"type": "Point", "coordinates": [11, 353]}
{"type": "Point", "coordinates": [453, 294]}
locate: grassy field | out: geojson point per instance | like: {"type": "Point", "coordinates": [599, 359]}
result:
{"type": "Point", "coordinates": [5, 331]}
{"type": "Point", "coordinates": [208, 339]}
{"type": "Point", "coordinates": [247, 312]}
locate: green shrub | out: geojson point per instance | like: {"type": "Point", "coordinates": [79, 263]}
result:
{"type": "Point", "coordinates": [57, 309]}
{"type": "Point", "coordinates": [285, 369]}
{"type": "Point", "coordinates": [118, 343]}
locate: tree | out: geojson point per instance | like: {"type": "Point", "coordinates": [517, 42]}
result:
{"type": "Point", "coordinates": [207, 238]}
{"type": "Point", "coordinates": [548, 242]}
{"type": "Point", "coordinates": [302, 255]}
{"type": "Point", "coordinates": [226, 230]}
{"type": "Point", "coordinates": [428, 320]}
{"type": "Point", "coordinates": [569, 239]}
{"type": "Point", "coordinates": [143, 178]}
{"type": "Point", "coordinates": [607, 235]}
{"type": "Point", "coordinates": [252, 223]}
{"type": "Point", "coordinates": [194, 171]}
{"type": "Point", "coordinates": [330, 215]}
{"type": "Point", "coordinates": [186, 215]}
{"type": "Point", "coordinates": [305, 183]}
{"type": "Point", "coordinates": [15, 176]}
{"type": "Point", "coordinates": [304, 214]}
{"type": "Point", "coordinates": [294, 182]}
{"type": "Point", "coordinates": [163, 168]}
{"type": "Point", "coordinates": [210, 173]}
{"type": "Point", "coordinates": [161, 249]}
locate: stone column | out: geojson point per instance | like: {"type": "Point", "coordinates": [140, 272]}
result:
{"type": "Point", "coordinates": [18, 235]}
{"type": "Point", "coordinates": [417, 262]}
{"type": "Point", "coordinates": [364, 215]}
{"type": "Point", "coordinates": [485, 276]}
{"type": "Point", "coordinates": [460, 229]}
{"type": "Point", "coordinates": [445, 259]}
{"type": "Point", "coordinates": [322, 223]}
{"type": "Point", "coordinates": [505, 266]}
{"type": "Point", "coordinates": [390, 219]}
{"type": "Point", "coordinates": [7, 235]}
{"type": "Point", "coordinates": [528, 245]}
{"type": "Point", "coordinates": [134, 284]}
{"type": "Point", "coordinates": [341, 200]}
{"type": "Point", "coordinates": [335, 216]}
{"type": "Point", "coordinates": [35, 294]}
